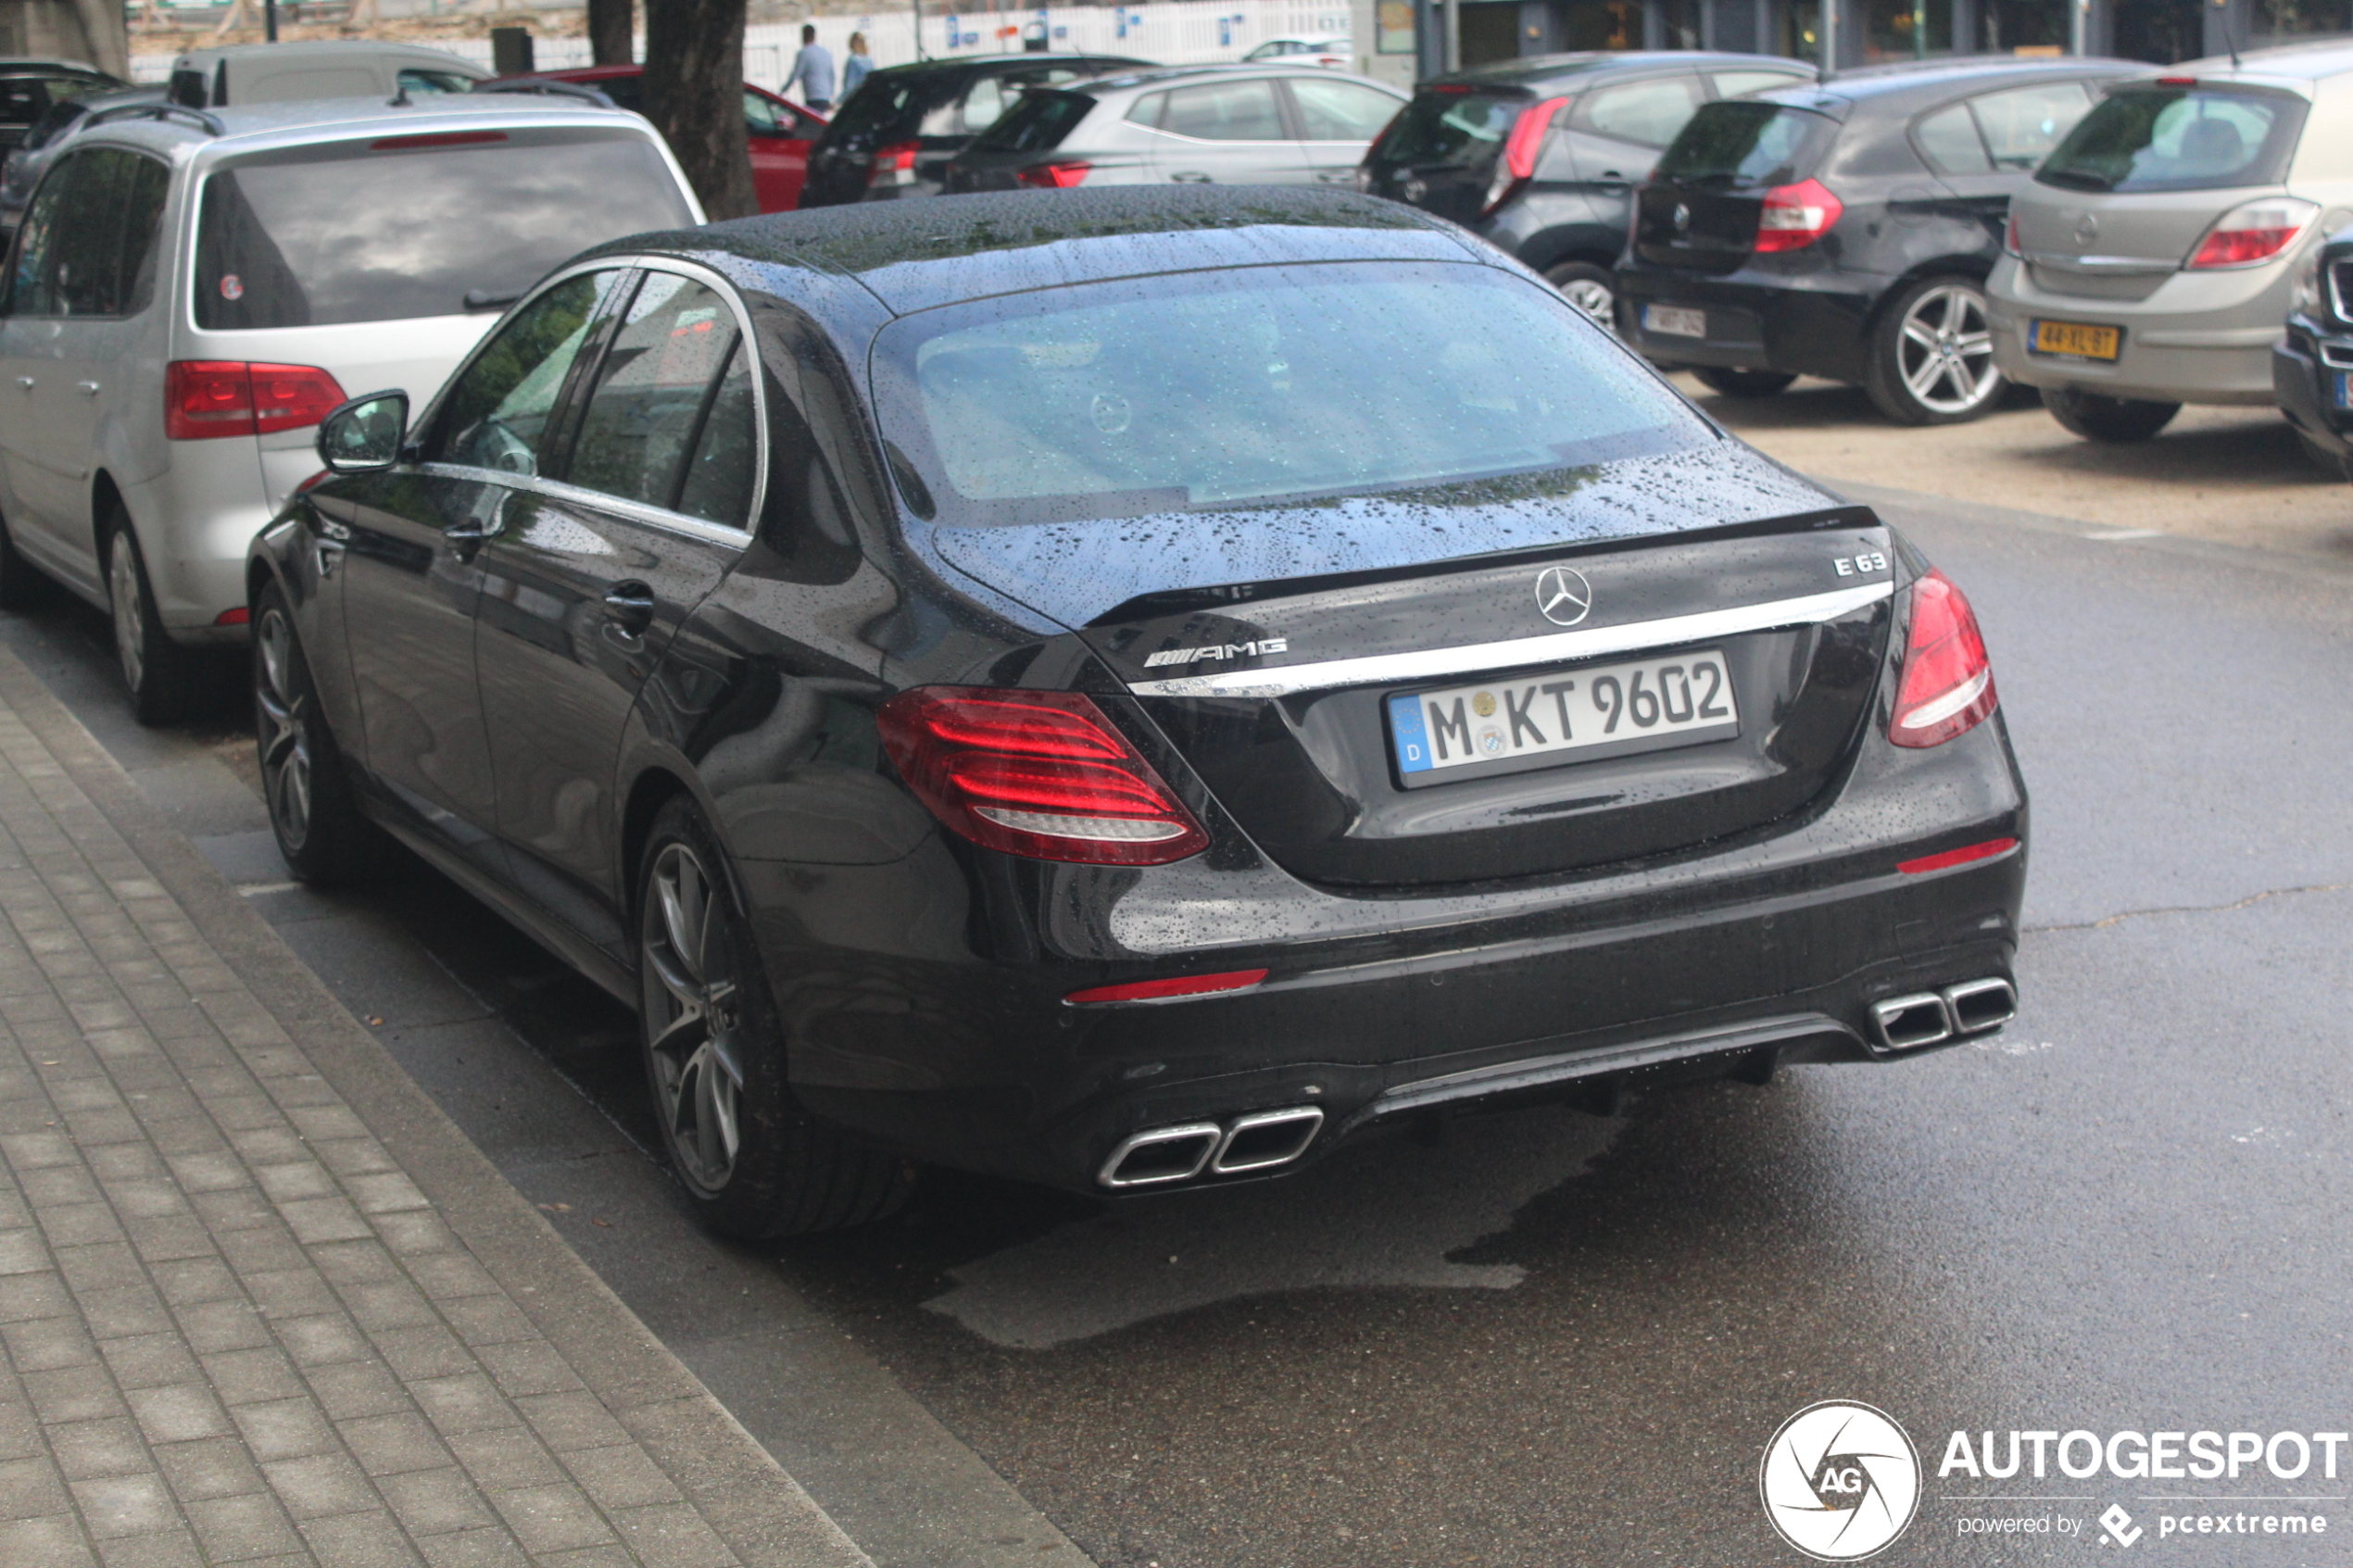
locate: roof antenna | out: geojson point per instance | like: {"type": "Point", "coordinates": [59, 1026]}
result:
{"type": "Point", "coordinates": [399, 100]}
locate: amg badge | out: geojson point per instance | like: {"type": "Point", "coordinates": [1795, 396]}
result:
{"type": "Point", "coordinates": [1224, 650]}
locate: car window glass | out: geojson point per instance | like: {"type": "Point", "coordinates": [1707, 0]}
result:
{"type": "Point", "coordinates": [189, 87]}
{"type": "Point", "coordinates": [760, 117]}
{"type": "Point", "coordinates": [1225, 111]}
{"type": "Point", "coordinates": [1340, 111]}
{"type": "Point", "coordinates": [984, 104]}
{"type": "Point", "coordinates": [497, 415]}
{"type": "Point", "coordinates": [2022, 125]}
{"type": "Point", "coordinates": [413, 80]}
{"type": "Point", "coordinates": [29, 279]}
{"type": "Point", "coordinates": [1148, 109]}
{"type": "Point", "coordinates": [44, 130]}
{"type": "Point", "coordinates": [1646, 113]}
{"type": "Point", "coordinates": [1732, 83]}
{"type": "Point", "coordinates": [642, 419]}
{"type": "Point", "coordinates": [718, 476]}
{"type": "Point", "coordinates": [97, 245]}
{"type": "Point", "coordinates": [1948, 140]}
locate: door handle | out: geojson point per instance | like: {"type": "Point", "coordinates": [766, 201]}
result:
{"type": "Point", "coordinates": [630, 608]}
{"type": "Point", "coordinates": [87, 388]}
{"type": "Point", "coordinates": [473, 530]}
{"type": "Point", "coordinates": [25, 382]}
{"type": "Point", "coordinates": [1191, 178]}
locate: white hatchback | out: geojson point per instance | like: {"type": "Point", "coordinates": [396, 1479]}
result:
{"type": "Point", "coordinates": [191, 291]}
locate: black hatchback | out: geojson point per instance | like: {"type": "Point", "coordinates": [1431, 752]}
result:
{"type": "Point", "coordinates": [895, 135]}
{"type": "Point", "coordinates": [1540, 156]}
{"type": "Point", "coordinates": [1132, 687]}
{"type": "Point", "coordinates": [1846, 230]}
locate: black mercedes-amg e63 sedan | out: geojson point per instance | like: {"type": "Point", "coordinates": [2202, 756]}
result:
{"type": "Point", "coordinates": [1130, 689]}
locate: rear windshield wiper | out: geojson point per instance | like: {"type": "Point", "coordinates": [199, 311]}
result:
{"type": "Point", "coordinates": [482, 299]}
{"type": "Point", "coordinates": [2077, 178]}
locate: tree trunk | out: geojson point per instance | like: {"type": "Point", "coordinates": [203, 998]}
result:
{"type": "Point", "coordinates": [610, 32]}
{"type": "Point", "coordinates": [695, 96]}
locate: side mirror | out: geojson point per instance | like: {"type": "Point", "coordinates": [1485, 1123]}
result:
{"type": "Point", "coordinates": [364, 434]}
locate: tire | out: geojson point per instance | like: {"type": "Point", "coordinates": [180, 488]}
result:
{"type": "Point", "coordinates": [2114, 419]}
{"type": "Point", "coordinates": [2326, 458]}
{"type": "Point", "coordinates": [162, 676]}
{"type": "Point", "coordinates": [1931, 355]}
{"type": "Point", "coordinates": [321, 832]}
{"type": "Point", "coordinates": [1588, 287]}
{"type": "Point", "coordinates": [756, 1166]}
{"type": "Point", "coordinates": [1742, 384]}
{"type": "Point", "coordinates": [21, 586]}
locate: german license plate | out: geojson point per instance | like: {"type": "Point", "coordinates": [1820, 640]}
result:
{"type": "Point", "coordinates": [1674, 321]}
{"type": "Point", "coordinates": [2344, 389]}
{"type": "Point", "coordinates": [2074, 340]}
{"type": "Point", "coordinates": [1503, 726]}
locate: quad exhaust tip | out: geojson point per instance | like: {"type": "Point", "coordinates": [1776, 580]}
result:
{"type": "Point", "coordinates": [1927, 1018]}
{"type": "Point", "coordinates": [1162, 1156]}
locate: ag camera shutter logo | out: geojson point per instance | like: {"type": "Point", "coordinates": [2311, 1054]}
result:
{"type": "Point", "coordinates": [1840, 1481]}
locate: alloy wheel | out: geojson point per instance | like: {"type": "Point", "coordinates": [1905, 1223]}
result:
{"type": "Point", "coordinates": [692, 1017]}
{"type": "Point", "coordinates": [1592, 296]}
{"type": "Point", "coordinates": [1944, 352]}
{"type": "Point", "coordinates": [285, 732]}
{"type": "Point", "coordinates": [130, 614]}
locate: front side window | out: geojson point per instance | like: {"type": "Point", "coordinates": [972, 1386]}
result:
{"type": "Point", "coordinates": [497, 415]}
{"type": "Point", "coordinates": [1262, 386]}
{"type": "Point", "coordinates": [2162, 138]}
{"type": "Point", "coordinates": [661, 381]}
{"type": "Point", "coordinates": [310, 238]}
{"type": "Point", "coordinates": [1224, 111]}
{"type": "Point", "coordinates": [90, 246]}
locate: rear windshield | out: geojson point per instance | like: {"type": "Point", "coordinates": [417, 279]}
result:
{"type": "Point", "coordinates": [1219, 389]}
{"type": "Point", "coordinates": [886, 108]}
{"type": "Point", "coordinates": [1037, 123]}
{"type": "Point", "coordinates": [1451, 129]}
{"type": "Point", "coordinates": [309, 239]}
{"type": "Point", "coordinates": [2179, 139]}
{"type": "Point", "coordinates": [1741, 144]}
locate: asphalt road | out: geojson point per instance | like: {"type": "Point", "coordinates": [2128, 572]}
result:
{"type": "Point", "coordinates": [1549, 1338]}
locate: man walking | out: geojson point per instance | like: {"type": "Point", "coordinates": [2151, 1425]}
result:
{"type": "Point", "coordinates": [814, 68]}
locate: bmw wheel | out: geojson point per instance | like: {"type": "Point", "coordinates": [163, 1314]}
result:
{"type": "Point", "coordinates": [1588, 287]}
{"type": "Point", "coordinates": [755, 1166]}
{"type": "Point", "coordinates": [1932, 354]}
{"type": "Point", "coordinates": [325, 840]}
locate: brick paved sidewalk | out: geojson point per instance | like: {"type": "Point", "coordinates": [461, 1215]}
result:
{"type": "Point", "coordinates": [260, 1302]}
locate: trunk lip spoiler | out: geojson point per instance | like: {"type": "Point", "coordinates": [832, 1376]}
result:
{"type": "Point", "coordinates": [1585, 642]}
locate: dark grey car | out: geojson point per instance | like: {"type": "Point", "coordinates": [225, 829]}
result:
{"type": "Point", "coordinates": [47, 139]}
{"type": "Point", "coordinates": [1541, 156]}
{"type": "Point", "coordinates": [1213, 125]}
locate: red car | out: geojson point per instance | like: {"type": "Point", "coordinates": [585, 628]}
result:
{"type": "Point", "coordinates": [778, 129]}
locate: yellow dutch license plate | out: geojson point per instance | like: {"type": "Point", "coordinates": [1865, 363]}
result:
{"type": "Point", "coordinates": [2077, 340]}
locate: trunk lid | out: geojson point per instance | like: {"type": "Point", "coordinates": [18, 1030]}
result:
{"type": "Point", "coordinates": [1440, 153]}
{"type": "Point", "coordinates": [1282, 690]}
{"type": "Point", "coordinates": [1701, 207]}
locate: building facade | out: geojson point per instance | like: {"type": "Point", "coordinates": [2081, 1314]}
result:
{"type": "Point", "coordinates": [1404, 41]}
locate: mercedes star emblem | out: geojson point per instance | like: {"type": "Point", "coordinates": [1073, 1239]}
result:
{"type": "Point", "coordinates": [1563, 595]}
{"type": "Point", "coordinates": [1682, 215]}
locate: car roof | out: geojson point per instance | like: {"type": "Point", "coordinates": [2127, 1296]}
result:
{"type": "Point", "coordinates": [1901, 84]}
{"type": "Point", "coordinates": [1223, 70]}
{"type": "Point", "coordinates": [916, 255]}
{"type": "Point", "coordinates": [27, 64]}
{"type": "Point", "coordinates": [1592, 62]}
{"type": "Point", "coordinates": [2315, 61]}
{"type": "Point", "coordinates": [994, 64]}
{"type": "Point", "coordinates": [261, 126]}
{"type": "Point", "coordinates": [328, 49]}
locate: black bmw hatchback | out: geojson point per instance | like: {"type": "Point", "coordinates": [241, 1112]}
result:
{"type": "Point", "coordinates": [1847, 230]}
{"type": "Point", "coordinates": [1132, 688]}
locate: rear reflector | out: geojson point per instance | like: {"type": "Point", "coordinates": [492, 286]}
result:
{"type": "Point", "coordinates": [1161, 990]}
{"type": "Point", "coordinates": [1042, 775]}
{"type": "Point", "coordinates": [1795, 216]}
{"type": "Point", "coordinates": [1949, 680]}
{"type": "Point", "coordinates": [205, 399]}
{"type": "Point", "coordinates": [1985, 851]}
{"type": "Point", "coordinates": [440, 139]}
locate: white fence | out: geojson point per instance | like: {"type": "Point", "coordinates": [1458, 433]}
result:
{"type": "Point", "coordinates": [1168, 31]}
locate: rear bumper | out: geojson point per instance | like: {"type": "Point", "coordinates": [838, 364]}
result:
{"type": "Point", "coordinates": [1376, 1009]}
{"type": "Point", "coordinates": [1811, 323]}
{"type": "Point", "coordinates": [2200, 337]}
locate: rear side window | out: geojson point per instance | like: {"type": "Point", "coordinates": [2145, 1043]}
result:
{"type": "Point", "coordinates": [89, 237]}
{"type": "Point", "coordinates": [1451, 130]}
{"type": "Point", "coordinates": [420, 82]}
{"type": "Point", "coordinates": [309, 238]}
{"type": "Point", "coordinates": [1748, 143]}
{"type": "Point", "coordinates": [1340, 111]}
{"type": "Point", "coordinates": [2179, 139]}
{"type": "Point", "coordinates": [1948, 140]}
{"type": "Point", "coordinates": [653, 392]}
{"type": "Point", "coordinates": [1733, 83]}
{"type": "Point", "coordinates": [2022, 125]}
{"type": "Point", "coordinates": [1038, 123]}
{"type": "Point", "coordinates": [1645, 113]}
{"type": "Point", "coordinates": [1225, 111]}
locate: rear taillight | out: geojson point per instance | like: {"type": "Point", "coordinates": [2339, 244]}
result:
{"type": "Point", "coordinates": [2010, 241]}
{"type": "Point", "coordinates": [204, 399]}
{"type": "Point", "coordinates": [1795, 216]}
{"type": "Point", "coordinates": [1058, 176]}
{"type": "Point", "coordinates": [1948, 683]}
{"type": "Point", "coordinates": [893, 164]}
{"type": "Point", "coordinates": [1521, 148]}
{"type": "Point", "coordinates": [1043, 774]}
{"type": "Point", "coordinates": [2252, 235]}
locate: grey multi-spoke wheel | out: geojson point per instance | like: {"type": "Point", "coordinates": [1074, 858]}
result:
{"type": "Point", "coordinates": [1588, 287]}
{"type": "Point", "coordinates": [159, 673]}
{"type": "Point", "coordinates": [1932, 356]}
{"type": "Point", "coordinates": [320, 831]}
{"type": "Point", "coordinates": [755, 1164]}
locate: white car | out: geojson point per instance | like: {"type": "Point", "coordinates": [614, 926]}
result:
{"type": "Point", "coordinates": [239, 74]}
{"type": "Point", "coordinates": [1303, 52]}
{"type": "Point", "coordinates": [192, 290]}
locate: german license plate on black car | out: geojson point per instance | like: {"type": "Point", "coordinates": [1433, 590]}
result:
{"type": "Point", "coordinates": [1535, 720]}
{"type": "Point", "coordinates": [2344, 388]}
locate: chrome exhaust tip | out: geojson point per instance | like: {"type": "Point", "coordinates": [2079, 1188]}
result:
{"type": "Point", "coordinates": [1267, 1138]}
{"type": "Point", "coordinates": [1906, 1023]}
{"type": "Point", "coordinates": [1979, 1005]}
{"type": "Point", "coordinates": [1162, 1155]}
